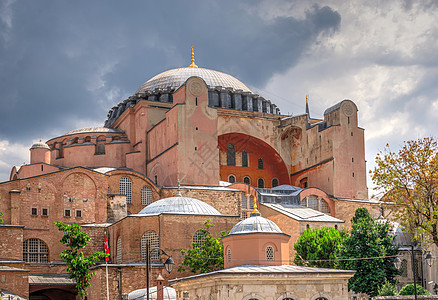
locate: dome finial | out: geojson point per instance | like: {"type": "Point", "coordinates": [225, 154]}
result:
{"type": "Point", "coordinates": [192, 65]}
{"type": "Point", "coordinates": [179, 189]}
{"type": "Point", "coordinates": [255, 212]}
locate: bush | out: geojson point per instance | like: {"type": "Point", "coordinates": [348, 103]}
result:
{"type": "Point", "coordinates": [387, 289]}
{"type": "Point", "coordinates": [409, 290]}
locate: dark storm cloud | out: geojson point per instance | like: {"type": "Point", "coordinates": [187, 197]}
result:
{"type": "Point", "coordinates": [59, 60]}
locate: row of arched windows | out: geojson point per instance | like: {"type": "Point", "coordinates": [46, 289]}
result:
{"type": "Point", "coordinates": [260, 181]}
{"type": "Point", "coordinates": [231, 157]}
{"type": "Point", "coordinates": [125, 188]}
{"type": "Point", "coordinates": [99, 145]}
{"type": "Point", "coordinates": [152, 240]}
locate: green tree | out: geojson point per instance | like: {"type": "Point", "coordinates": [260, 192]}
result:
{"type": "Point", "coordinates": [78, 265]}
{"type": "Point", "coordinates": [369, 238]}
{"type": "Point", "coordinates": [318, 244]}
{"type": "Point", "coordinates": [388, 289]}
{"type": "Point", "coordinates": [409, 181]}
{"type": "Point", "coordinates": [409, 290]}
{"type": "Point", "coordinates": [207, 255]}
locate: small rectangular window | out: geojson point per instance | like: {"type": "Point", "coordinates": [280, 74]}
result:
{"type": "Point", "coordinates": [67, 213]}
{"type": "Point", "coordinates": [45, 212]}
{"type": "Point", "coordinates": [78, 213]}
{"type": "Point", "coordinates": [34, 211]}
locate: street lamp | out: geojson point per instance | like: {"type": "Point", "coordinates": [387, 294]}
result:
{"type": "Point", "coordinates": [429, 260]}
{"type": "Point", "coordinates": [168, 264]}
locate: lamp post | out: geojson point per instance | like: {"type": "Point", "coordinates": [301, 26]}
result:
{"type": "Point", "coordinates": [429, 260]}
{"type": "Point", "coordinates": [168, 264]}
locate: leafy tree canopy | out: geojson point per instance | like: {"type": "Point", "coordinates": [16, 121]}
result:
{"type": "Point", "coordinates": [206, 255]}
{"type": "Point", "coordinates": [409, 179]}
{"type": "Point", "coordinates": [369, 238]}
{"type": "Point", "coordinates": [78, 265]}
{"type": "Point", "coordinates": [318, 244]}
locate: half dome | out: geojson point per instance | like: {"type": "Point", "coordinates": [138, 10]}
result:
{"type": "Point", "coordinates": [180, 205]}
{"type": "Point", "coordinates": [173, 79]}
{"type": "Point", "coordinates": [255, 223]}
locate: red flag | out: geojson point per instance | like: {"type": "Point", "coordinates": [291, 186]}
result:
{"type": "Point", "coordinates": [106, 248]}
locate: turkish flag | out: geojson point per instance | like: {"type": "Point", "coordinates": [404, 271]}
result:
{"type": "Point", "coordinates": [106, 248]}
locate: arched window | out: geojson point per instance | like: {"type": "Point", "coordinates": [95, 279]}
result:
{"type": "Point", "coordinates": [274, 182]}
{"type": "Point", "coordinates": [244, 158]}
{"type": "Point", "coordinates": [260, 164]}
{"type": "Point", "coordinates": [125, 188]}
{"type": "Point", "coordinates": [87, 139]}
{"type": "Point", "coordinates": [231, 155]}
{"type": "Point", "coordinates": [246, 180]}
{"type": "Point", "coordinates": [321, 298]}
{"type": "Point", "coordinates": [231, 179]}
{"type": "Point", "coordinates": [152, 240]}
{"type": "Point", "coordinates": [404, 268]}
{"type": "Point", "coordinates": [269, 253]}
{"type": "Point", "coordinates": [229, 255]}
{"type": "Point", "coordinates": [74, 141]}
{"type": "Point", "coordinates": [35, 251]}
{"type": "Point", "coordinates": [146, 196]}
{"type": "Point", "coordinates": [100, 145]}
{"type": "Point", "coordinates": [198, 238]}
{"type": "Point", "coordinates": [260, 183]}
{"type": "Point", "coordinates": [61, 149]}
{"type": "Point", "coordinates": [119, 251]}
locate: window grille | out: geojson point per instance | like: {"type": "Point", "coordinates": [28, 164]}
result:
{"type": "Point", "coordinates": [119, 251]}
{"type": "Point", "coordinates": [231, 155]}
{"type": "Point", "coordinates": [404, 268]}
{"type": "Point", "coordinates": [45, 212]}
{"type": "Point", "coordinates": [146, 196]}
{"type": "Point", "coordinates": [125, 188]}
{"type": "Point", "coordinates": [150, 238]}
{"type": "Point", "coordinates": [35, 251]}
{"type": "Point", "coordinates": [247, 180]}
{"type": "Point", "coordinates": [244, 158]}
{"type": "Point", "coordinates": [260, 164]}
{"type": "Point", "coordinates": [324, 207]}
{"type": "Point", "coordinates": [229, 255]}
{"type": "Point", "coordinates": [260, 183]}
{"type": "Point", "coordinates": [199, 238]}
{"type": "Point", "coordinates": [269, 253]}
{"type": "Point", "coordinates": [67, 213]}
{"type": "Point", "coordinates": [312, 202]}
{"type": "Point", "coordinates": [33, 211]}
{"type": "Point", "coordinates": [274, 182]}
{"type": "Point", "coordinates": [78, 213]}
{"type": "Point", "coordinates": [244, 200]}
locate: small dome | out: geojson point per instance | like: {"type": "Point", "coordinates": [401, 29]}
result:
{"type": "Point", "coordinates": [173, 79]}
{"type": "Point", "coordinates": [255, 223]}
{"type": "Point", "coordinates": [180, 205]}
{"type": "Point", "coordinates": [40, 145]}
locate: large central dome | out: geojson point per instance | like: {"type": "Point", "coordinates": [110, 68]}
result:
{"type": "Point", "coordinates": [174, 78]}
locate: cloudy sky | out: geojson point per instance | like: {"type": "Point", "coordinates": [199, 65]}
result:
{"type": "Point", "coordinates": [64, 64]}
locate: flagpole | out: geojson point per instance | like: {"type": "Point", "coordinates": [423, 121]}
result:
{"type": "Point", "coordinates": [107, 290]}
{"type": "Point", "coordinates": [106, 266]}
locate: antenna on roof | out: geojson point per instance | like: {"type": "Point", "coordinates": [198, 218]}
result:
{"type": "Point", "coordinates": [192, 65]}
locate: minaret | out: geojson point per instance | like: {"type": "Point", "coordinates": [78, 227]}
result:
{"type": "Point", "coordinates": [192, 65]}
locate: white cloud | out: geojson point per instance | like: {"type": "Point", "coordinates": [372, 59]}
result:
{"type": "Point", "coordinates": [11, 154]}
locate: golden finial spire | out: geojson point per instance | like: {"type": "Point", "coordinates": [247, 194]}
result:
{"type": "Point", "coordinates": [192, 65]}
{"type": "Point", "coordinates": [255, 211]}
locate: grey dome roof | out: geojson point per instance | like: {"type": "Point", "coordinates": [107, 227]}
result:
{"type": "Point", "coordinates": [255, 223]}
{"type": "Point", "coordinates": [39, 145]}
{"type": "Point", "coordinates": [173, 79]}
{"type": "Point", "coordinates": [180, 205]}
{"type": "Point", "coordinates": [93, 129]}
